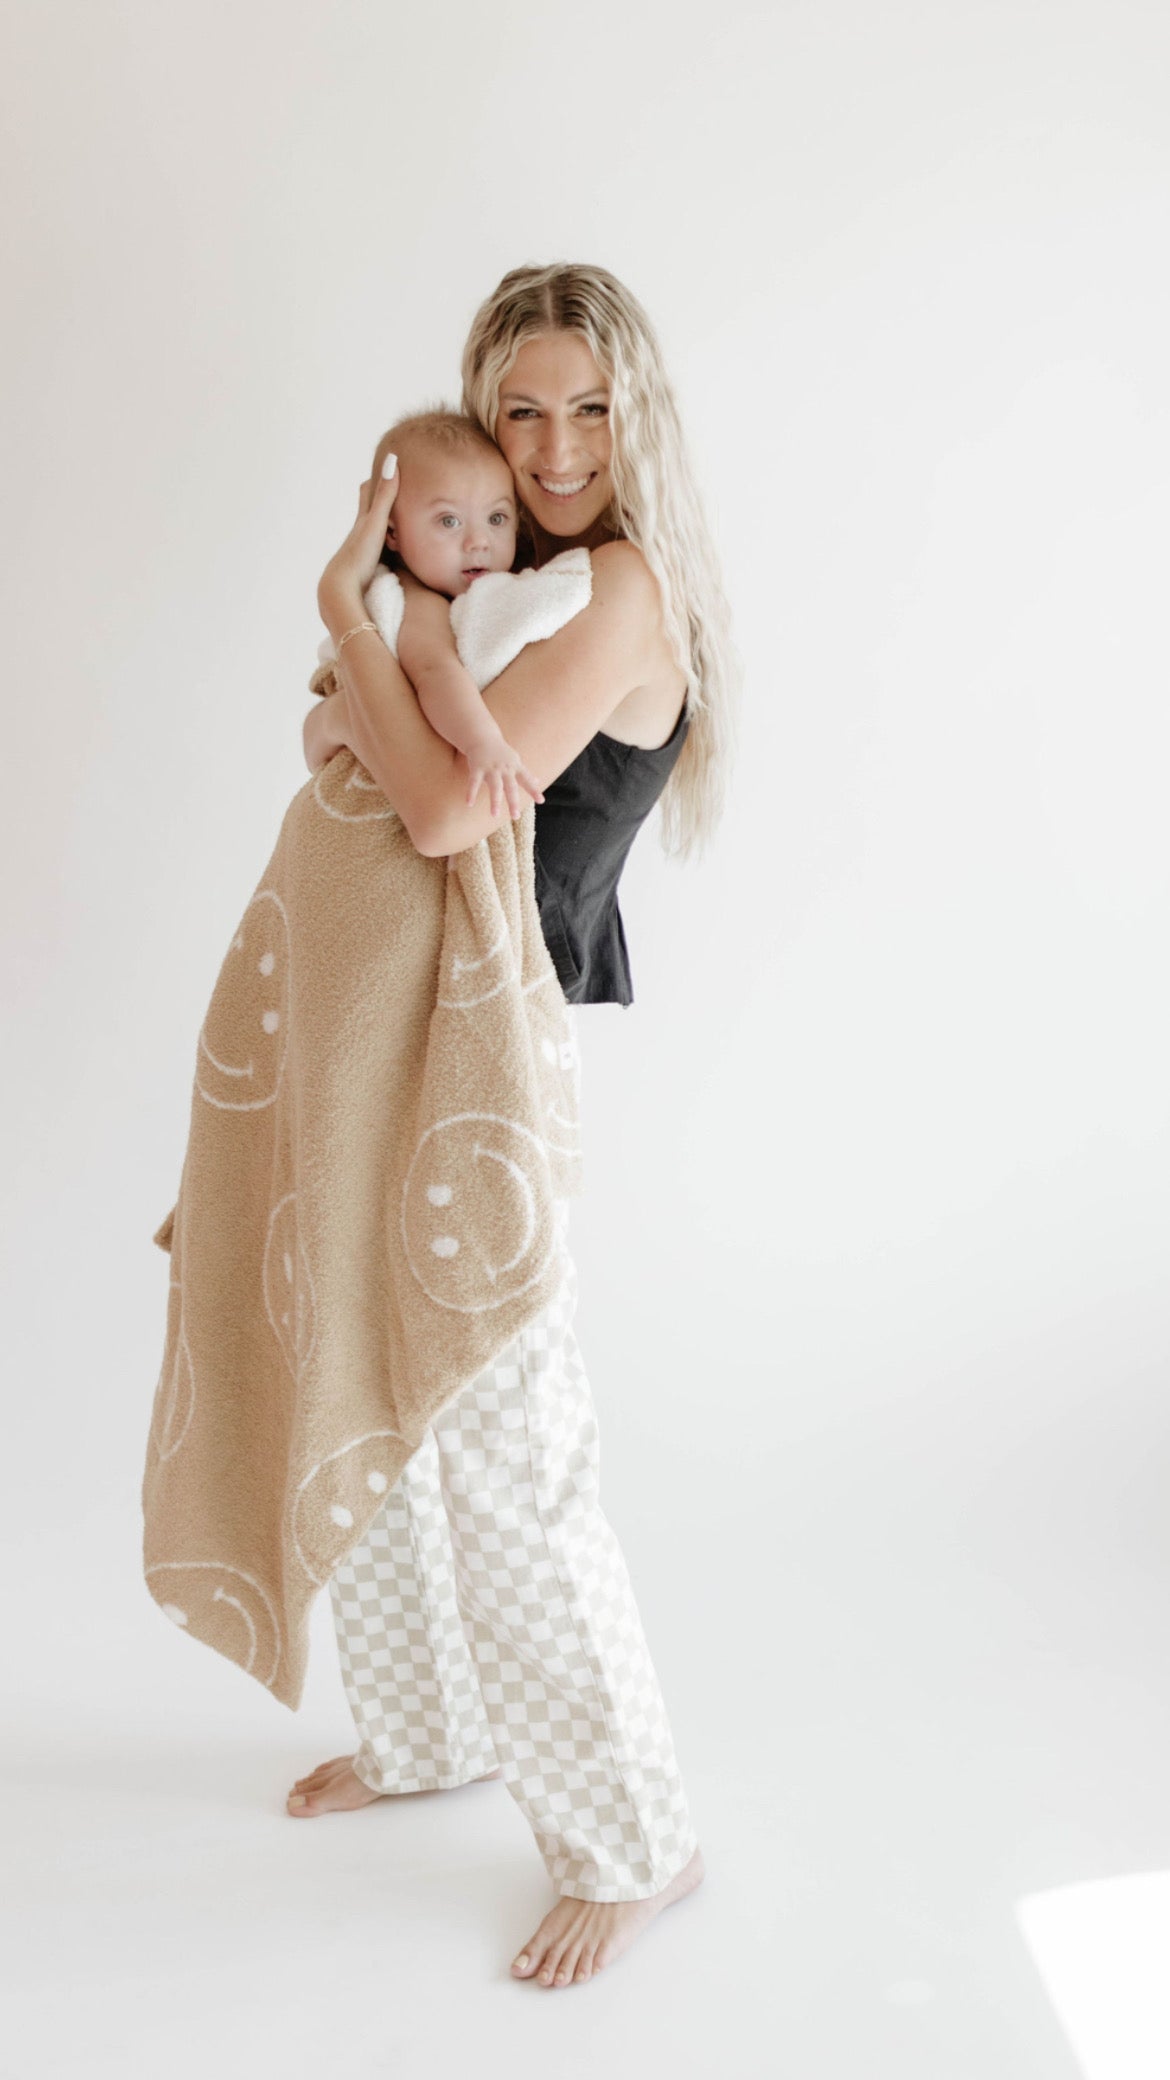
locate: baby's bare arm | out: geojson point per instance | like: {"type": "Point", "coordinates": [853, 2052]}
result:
{"type": "Point", "coordinates": [466, 721]}
{"type": "Point", "coordinates": [453, 705]}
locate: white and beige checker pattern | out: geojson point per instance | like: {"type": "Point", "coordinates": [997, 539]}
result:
{"type": "Point", "coordinates": [406, 1664]}
{"type": "Point", "coordinates": [489, 1617]}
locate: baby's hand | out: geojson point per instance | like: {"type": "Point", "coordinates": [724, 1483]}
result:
{"type": "Point", "coordinates": [490, 758]}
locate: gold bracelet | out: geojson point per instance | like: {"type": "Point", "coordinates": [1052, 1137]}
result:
{"type": "Point", "coordinates": [356, 630]}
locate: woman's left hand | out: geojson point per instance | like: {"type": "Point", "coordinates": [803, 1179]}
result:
{"type": "Point", "coordinates": [346, 575]}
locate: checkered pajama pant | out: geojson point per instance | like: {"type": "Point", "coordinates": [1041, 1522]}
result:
{"type": "Point", "coordinates": [488, 1618]}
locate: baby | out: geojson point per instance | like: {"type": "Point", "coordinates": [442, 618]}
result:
{"type": "Point", "coordinates": [454, 518]}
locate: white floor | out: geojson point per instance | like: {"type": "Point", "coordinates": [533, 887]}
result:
{"type": "Point", "coordinates": [920, 1702]}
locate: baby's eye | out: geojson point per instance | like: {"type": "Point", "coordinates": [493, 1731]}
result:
{"type": "Point", "coordinates": [501, 517]}
{"type": "Point", "coordinates": [452, 517]}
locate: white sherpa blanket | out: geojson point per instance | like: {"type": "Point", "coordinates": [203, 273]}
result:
{"type": "Point", "coordinates": [497, 616]}
{"type": "Point", "coordinates": [385, 1109]}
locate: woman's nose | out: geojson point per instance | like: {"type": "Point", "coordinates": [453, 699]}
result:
{"type": "Point", "coordinates": [556, 448]}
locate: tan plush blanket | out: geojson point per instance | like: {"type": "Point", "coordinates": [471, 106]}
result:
{"type": "Point", "coordinates": [385, 1107]}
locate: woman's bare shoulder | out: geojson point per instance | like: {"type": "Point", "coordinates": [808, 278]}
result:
{"type": "Point", "coordinates": [623, 579]}
{"type": "Point", "coordinates": [622, 573]}
{"type": "Point", "coordinates": [623, 563]}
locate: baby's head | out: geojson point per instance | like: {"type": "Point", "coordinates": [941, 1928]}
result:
{"type": "Point", "coordinates": [455, 514]}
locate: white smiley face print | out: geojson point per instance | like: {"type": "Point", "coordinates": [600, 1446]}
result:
{"type": "Point", "coordinates": [471, 979]}
{"type": "Point", "coordinates": [174, 1399]}
{"type": "Point", "coordinates": [478, 960]}
{"type": "Point", "coordinates": [335, 1502]}
{"type": "Point", "coordinates": [289, 1300]}
{"type": "Point", "coordinates": [345, 790]}
{"type": "Point", "coordinates": [222, 1606]}
{"type": "Point", "coordinates": [470, 1223]}
{"type": "Point", "coordinates": [244, 1036]}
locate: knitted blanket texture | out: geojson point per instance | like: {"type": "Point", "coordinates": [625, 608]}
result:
{"type": "Point", "coordinates": [384, 1111]}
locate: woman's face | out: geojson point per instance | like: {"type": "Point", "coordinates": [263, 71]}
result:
{"type": "Point", "coordinates": [553, 427]}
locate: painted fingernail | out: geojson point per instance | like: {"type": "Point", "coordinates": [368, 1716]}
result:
{"type": "Point", "coordinates": [389, 465]}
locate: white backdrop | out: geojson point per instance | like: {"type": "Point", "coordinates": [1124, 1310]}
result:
{"type": "Point", "coordinates": [874, 1240]}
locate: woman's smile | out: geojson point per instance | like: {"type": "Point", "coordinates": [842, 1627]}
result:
{"type": "Point", "coordinates": [553, 426]}
{"type": "Point", "coordinates": [570, 489]}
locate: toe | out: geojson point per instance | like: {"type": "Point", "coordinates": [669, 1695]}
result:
{"type": "Point", "coordinates": [325, 1769]}
{"type": "Point", "coordinates": [567, 1965]}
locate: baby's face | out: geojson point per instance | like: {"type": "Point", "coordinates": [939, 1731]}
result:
{"type": "Point", "coordinates": [454, 517]}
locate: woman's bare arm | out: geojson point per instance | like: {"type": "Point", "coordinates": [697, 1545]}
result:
{"type": "Point", "coordinates": [549, 702]}
{"type": "Point", "coordinates": [379, 718]}
{"type": "Point", "coordinates": [410, 762]}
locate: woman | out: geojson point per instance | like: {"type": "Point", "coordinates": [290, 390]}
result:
{"type": "Point", "coordinates": [493, 1571]}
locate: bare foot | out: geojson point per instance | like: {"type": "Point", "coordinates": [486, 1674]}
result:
{"type": "Point", "coordinates": [579, 1936]}
{"type": "Point", "coordinates": [333, 1787]}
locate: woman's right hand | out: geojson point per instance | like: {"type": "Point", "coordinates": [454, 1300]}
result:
{"type": "Point", "coordinates": [347, 573]}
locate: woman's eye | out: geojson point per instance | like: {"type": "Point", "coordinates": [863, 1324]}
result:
{"type": "Point", "coordinates": [524, 411]}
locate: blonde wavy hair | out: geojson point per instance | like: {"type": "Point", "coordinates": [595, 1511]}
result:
{"type": "Point", "coordinates": [656, 504]}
